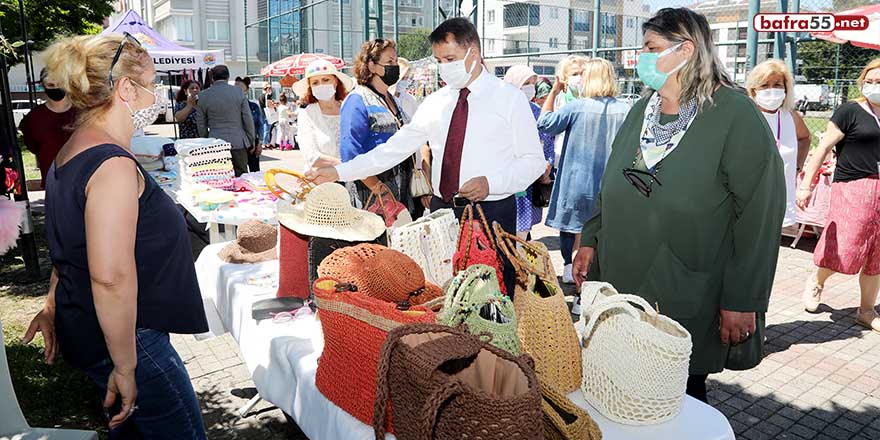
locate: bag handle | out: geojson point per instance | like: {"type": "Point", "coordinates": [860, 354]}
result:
{"type": "Point", "coordinates": [467, 218]}
{"type": "Point", "coordinates": [618, 301]}
{"type": "Point", "coordinates": [461, 293]}
{"type": "Point", "coordinates": [507, 243]}
{"type": "Point", "coordinates": [279, 191]}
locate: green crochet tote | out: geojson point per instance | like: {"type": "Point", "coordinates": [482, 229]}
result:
{"type": "Point", "coordinates": [474, 298]}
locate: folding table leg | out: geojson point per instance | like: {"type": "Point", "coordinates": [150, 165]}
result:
{"type": "Point", "coordinates": [214, 233]}
{"type": "Point", "coordinates": [244, 410]}
{"type": "Point", "coordinates": [798, 236]}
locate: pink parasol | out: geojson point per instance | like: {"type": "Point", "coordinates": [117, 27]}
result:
{"type": "Point", "coordinates": [868, 38]}
{"type": "Point", "coordinates": [296, 64]}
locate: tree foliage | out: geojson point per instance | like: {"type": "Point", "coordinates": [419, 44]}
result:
{"type": "Point", "coordinates": [824, 61]}
{"type": "Point", "coordinates": [49, 20]}
{"type": "Point", "coordinates": [414, 45]}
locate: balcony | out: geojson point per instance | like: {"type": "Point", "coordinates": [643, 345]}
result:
{"type": "Point", "coordinates": [522, 49]}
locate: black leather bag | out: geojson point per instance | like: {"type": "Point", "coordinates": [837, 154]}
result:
{"type": "Point", "coordinates": [541, 192]}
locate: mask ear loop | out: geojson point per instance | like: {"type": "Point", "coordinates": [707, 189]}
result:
{"type": "Point", "coordinates": [669, 51]}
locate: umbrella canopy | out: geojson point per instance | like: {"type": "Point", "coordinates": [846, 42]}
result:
{"type": "Point", "coordinates": [167, 56]}
{"type": "Point", "coordinates": [296, 64]}
{"type": "Point", "coordinates": [868, 38]}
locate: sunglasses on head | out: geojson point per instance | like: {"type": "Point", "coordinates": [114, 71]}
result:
{"type": "Point", "coordinates": [125, 37]}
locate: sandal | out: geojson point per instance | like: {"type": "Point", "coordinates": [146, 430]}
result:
{"type": "Point", "coordinates": [868, 319]}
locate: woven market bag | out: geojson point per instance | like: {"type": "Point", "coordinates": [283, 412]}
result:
{"type": "Point", "coordinates": [474, 299]}
{"type": "Point", "coordinates": [355, 326]}
{"type": "Point", "coordinates": [476, 244]}
{"type": "Point", "coordinates": [563, 420]}
{"type": "Point", "coordinates": [543, 319]}
{"type": "Point", "coordinates": [293, 264]}
{"type": "Point", "coordinates": [635, 361]}
{"type": "Point", "coordinates": [382, 202]}
{"type": "Point", "coordinates": [431, 242]}
{"type": "Point", "coordinates": [446, 384]}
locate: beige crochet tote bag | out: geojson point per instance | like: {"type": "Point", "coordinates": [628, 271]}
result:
{"type": "Point", "coordinates": [635, 361]}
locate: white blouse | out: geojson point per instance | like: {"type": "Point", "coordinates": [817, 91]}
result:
{"type": "Point", "coordinates": [318, 134]}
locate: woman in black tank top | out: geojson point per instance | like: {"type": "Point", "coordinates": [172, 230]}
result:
{"type": "Point", "coordinates": [123, 275]}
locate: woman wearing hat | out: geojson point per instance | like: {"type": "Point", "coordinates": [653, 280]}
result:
{"type": "Point", "coordinates": [323, 88]}
{"type": "Point", "coordinates": [527, 214]}
{"type": "Point", "coordinates": [371, 114]}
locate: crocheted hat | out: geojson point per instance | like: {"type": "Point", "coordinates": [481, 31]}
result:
{"type": "Point", "coordinates": [327, 213]}
{"type": "Point", "coordinates": [255, 243]}
{"type": "Point", "coordinates": [321, 67]}
{"type": "Point", "coordinates": [380, 272]}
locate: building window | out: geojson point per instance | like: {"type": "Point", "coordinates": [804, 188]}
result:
{"type": "Point", "coordinates": [554, 42]}
{"type": "Point", "coordinates": [501, 70]}
{"type": "Point", "coordinates": [177, 28]}
{"type": "Point", "coordinates": [609, 24]}
{"type": "Point", "coordinates": [218, 30]}
{"type": "Point", "coordinates": [554, 12]}
{"type": "Point", "coordinates": [490, 16]}
{"type": "Point", "coordinates": [411, 3]}
{"type": "Point", "coordinates": [630, 23]}
{"type": "Point", "coordinates": [521, 14]}
{"type": "Point", "coordinates": [581, 21]}
{"type": "Point", "coordinates": [545, 70]}
{"type": "Point", "coordinates": [490, 45]}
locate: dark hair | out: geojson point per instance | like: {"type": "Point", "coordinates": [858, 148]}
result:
{"type": "Point", "coordinates": [181, 94]}
{"type": "Point", "coordinates": [220, 73]}
{"type": "Point", "coordinates": [307, 98]}
{"type": "Point", "coordinates": [370, 51]}
{"type": "Point", "coordinates": [462, 30]}
{"type": "Point", "coordinates": [246, 80]}
{"type": "Point", "coordinates": [283, 98]}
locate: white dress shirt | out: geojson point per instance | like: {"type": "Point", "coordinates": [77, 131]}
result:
{"type": "Point", "coordinates": [501, 141]}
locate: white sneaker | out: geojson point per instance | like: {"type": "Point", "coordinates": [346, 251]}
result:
{"type": "Point", "coordinates": [567, 277]}
{"type": "Point", "coordinates": [812, 295]}
{"type": "Point", "coordinates": [576, 306]}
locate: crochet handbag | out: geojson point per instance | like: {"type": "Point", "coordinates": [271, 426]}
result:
{"type": "Point", "coordinates": [431, 242]}
{"type": "Point", "coordinates": [543, 320]}
{"type": "Point", "coordinates": [444, 383]}
{"type": "Point", "coordinates": [298, 194]}
{"type": "Point", "coordinates": [420, 182]}
{"type": "Point", "coordinates": [635, 360]}
{"type": "Point", "coordinates": [382, 202]}
{"type": "Point", "coordinates": [293, 264]}
{"type": "Point", "coordinates": [476, 244]}
{"type": "Point", "coordinates": [355, 326]}
{"type": "Point", "coordinates": [474, 298]}
{"type": "Point", "coordinates": [563, 420]}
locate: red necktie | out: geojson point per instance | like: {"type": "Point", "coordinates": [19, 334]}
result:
{"type": "Point", "coordinates": [449, 174]}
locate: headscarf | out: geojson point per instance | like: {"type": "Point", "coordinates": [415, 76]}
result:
{"type": "Point", "coordinates": [542, 89]}
{"type": "Point", "coordinates": [518, 75]}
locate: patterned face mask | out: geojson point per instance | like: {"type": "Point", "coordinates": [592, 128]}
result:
{"type": "Point", "coordinates": [145, 116]}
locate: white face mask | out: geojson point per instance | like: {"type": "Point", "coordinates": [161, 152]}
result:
{"type": "Point", "coordinates": [770, 99]}
{"type": "Point", "coordinates": [456, 74]}
{"type": "Point", "coordinates": [872, 93]}
{"type": "Point", "coordinates": [574, 84]}
{"type": "Point", "coordinates": [145, 116]}
{"type": "Point", "coordinates": [324, 92]}
{"type": "Point", "coordinates": [402, 85]}
{"type": "Point", "coordinates": [529, 90]}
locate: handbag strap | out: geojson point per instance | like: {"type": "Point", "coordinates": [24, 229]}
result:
{"type": "Point", "coordinates": [279, 191]}
{"type": "Point", "coordinates": [376, 192]}
{"type": "Point", "coordinates": [619, 301]}
{"type": "Point", "coordinates": [467, 218]}
{"type": "Point", "coordinates": [507, 242]}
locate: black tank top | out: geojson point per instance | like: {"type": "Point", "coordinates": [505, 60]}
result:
{"type": "Point", "coordinates": [168, 297]}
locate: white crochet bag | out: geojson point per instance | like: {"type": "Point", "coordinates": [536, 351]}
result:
{"type": "Point", "coordinates": [431, 242]}
{"type": "Point", "coordinates": [635, 361]}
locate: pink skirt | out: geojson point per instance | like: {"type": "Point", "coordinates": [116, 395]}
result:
{"type": "Point", "coordinates": [851, 239]}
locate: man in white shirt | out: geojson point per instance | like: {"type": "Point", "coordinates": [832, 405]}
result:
{"type": "Point", "coordinates": [481, 130]}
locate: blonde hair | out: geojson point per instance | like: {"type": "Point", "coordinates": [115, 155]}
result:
{"type": "Point", "coordinates": [563, 69]}
{"type": "Point", "coordinates": [81, 67]}
{"type": "Point", "coordinates": [599, 79]}
{"type": "Point", "coordinates": [762, 71]}
{"type": "Point", "coordinates": [873, 64]}
{"type": "Point", "coordinates": [703, 72]}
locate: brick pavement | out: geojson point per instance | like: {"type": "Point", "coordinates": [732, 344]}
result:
{"type": "Point", "coordinates": [819, 379]}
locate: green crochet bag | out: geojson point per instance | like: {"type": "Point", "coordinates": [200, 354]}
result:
{"type": "Point", "coordinates": [474, 299]}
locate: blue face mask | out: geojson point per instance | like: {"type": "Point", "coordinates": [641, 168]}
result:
{"type": "Point", "coordinates": [647, 68]}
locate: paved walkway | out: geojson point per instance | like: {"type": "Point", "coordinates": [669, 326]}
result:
{"type": "Point", "coordinates": [819, 380]}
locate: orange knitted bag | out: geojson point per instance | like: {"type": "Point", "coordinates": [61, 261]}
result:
{"type": "Point", "coordinates": [355, 327]}
{"type": "Point", "coordinates": [476, 244]}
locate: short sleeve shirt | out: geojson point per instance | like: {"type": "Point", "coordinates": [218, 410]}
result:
{"type": "Point", "coordinates": [858, 153]}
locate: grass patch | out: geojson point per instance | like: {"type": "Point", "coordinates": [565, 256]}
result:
{"type": "Point", "coordinates": [816, 125]}
{"type": "Point", "coordinates": [50, 396]}
{"type": "Point", "coordinates": [31, 170]}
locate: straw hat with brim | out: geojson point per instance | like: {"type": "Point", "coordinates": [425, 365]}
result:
{"type": "Point", "coordinates": [321, 67]}
{"type": "Point", "coordinates": [379, 272]}
{"type": "Point", "coordinates": [327, 213]}
{"type": "Point", "coordinates": [255, 243]}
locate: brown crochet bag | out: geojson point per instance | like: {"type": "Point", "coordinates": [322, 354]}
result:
{"type": "Point", "coordinates": [445, 383]}
{"type": "Point", "coordinates": [563, 420]}
{"type": "Point", "coordinates": [544, 324]}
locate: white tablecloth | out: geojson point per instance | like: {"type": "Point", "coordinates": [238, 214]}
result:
{"type": "Point", "coordinates": [283, 358]}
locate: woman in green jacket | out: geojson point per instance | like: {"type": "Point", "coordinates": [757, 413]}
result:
{"type": "Point", "coordinates": [692, 200]}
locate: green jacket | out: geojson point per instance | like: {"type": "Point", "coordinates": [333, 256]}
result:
{"type": "Point", "coordinates": [708, 237]}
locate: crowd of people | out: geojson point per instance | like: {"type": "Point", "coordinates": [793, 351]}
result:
{"type": "Point", "coordinates": [679, 198]}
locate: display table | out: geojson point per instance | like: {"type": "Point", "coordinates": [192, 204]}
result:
{"type": "Point", "coordinates": [816, 213]}
{"type": "Point", "coordinates": [283, 359]}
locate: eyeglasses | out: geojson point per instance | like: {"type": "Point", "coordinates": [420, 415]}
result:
{"type": "Point", "coordinates": [642, 180]}
{"type": "Point", "coordinates": [125, 37]}
{"type": "Point", "coordinates": [302, 312]}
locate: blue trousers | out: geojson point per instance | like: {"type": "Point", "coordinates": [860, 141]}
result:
{"type": "Point", "coordinates": [167, 407]}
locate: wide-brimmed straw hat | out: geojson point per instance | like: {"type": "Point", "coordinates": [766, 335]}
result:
{"type": "Point", "coordinates": [327, 213]}
{"type": "Point", "coordinates": [379, 272]}
{"type": "Point", "coordinates": [255, 243]}
{"type": "Point", "coordinates": [317, 68]}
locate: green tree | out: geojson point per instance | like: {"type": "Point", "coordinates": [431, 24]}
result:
{"type": "Point", "coordinates": [825, 60]}
{"type": "Point", "coordinates": [414, 45]}
{"type": "Point", "coordinates": [49, 20]}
